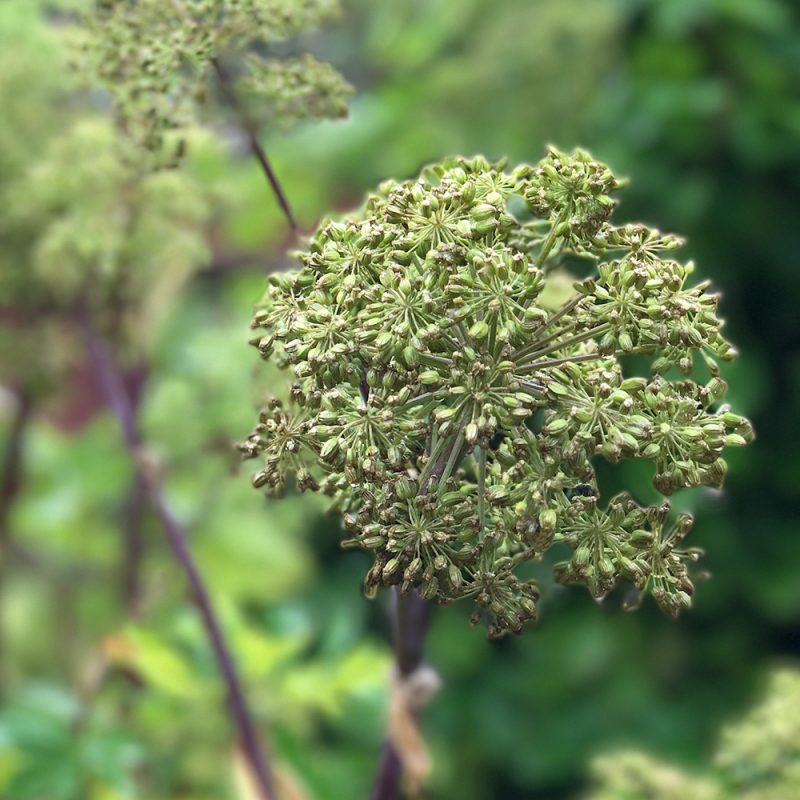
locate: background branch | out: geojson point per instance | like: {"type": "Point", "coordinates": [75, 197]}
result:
{"type": "Point", "coordinates": [112, 384]}
{"type": "Point", "coordinates": [10, 483]}
{"type": "Point", "coordinates": [251, 133]}
{"type": "Point", "coordinates": [11, 477]}
{"type": "Point", "coordinates": [133, 518]}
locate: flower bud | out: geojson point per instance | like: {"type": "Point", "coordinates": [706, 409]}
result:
{"type": "Point", "coordinates": [405, 489]}
{"type": "Point", "coordinates": [454, 576]}
{"type": "Point", "coordinates": [735, 440]}
{"type": "Point", "coordinates": [556, 426]}
{"type": "Point", "coordinates": [479, 330]}
{"type": "Point", "coordinates": [389, 568]}
{"type": "Point", "coordinates": [548, 519]}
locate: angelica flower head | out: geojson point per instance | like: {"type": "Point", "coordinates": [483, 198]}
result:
{"type": "Point", "coordinates": [156, 58]}
{"type": "Point", "coordinates": [454, 413]}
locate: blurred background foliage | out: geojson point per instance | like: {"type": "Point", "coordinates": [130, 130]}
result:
{"type": "Point", "coordinates": [757, 758]}
{"type": "Point", "coordinates": [107, 687]}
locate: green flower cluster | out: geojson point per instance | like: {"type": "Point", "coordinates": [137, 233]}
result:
{"type": "Point", "coordinates": [84, 227]}
{"type": "Point", "coordinates": [453, 413]}
{"type": "Point", "coordinates": [155, 58]}
{"type": "Point", "coordinates": [758, 758]}
{"type": "Point", "coordinates": [115, 242]}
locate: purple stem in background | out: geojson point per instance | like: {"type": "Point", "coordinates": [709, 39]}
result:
{"type": "Point", "coordinates": [251, 132]}
{"type": "Point", "coordinates": [134, 545]}
{"type": "Point", "coordinates": [117, 397]}
{"type": "Point", "coordinates": [10, 483]}
{"type": "Point", "coordinates": [11, 478]}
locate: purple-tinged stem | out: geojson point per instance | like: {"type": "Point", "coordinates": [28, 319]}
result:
{"type": "Point", "coordinates": [112, 384]}
{"type": "Point", "coordinates": [10, 482]}
{"type": "Point", "coordinates": [251, 133]}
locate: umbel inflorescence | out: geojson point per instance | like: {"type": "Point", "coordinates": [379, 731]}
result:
{"type": "Point", "coordinates": [156, 57]}
{"type": "Point", "coordinates": [453, 410]}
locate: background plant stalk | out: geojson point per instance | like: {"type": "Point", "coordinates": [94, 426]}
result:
{"type": "Point", "coordinates": [119, 402]}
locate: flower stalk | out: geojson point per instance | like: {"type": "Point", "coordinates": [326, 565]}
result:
{"type": "Point", "coordinates": [250, 130]}
{"type": "Point", "coordinates": [410, 620]}
{"type": "Point", "coordinates": [113, 387]}
{"type": "Point", "coordinates": [11, 477]}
